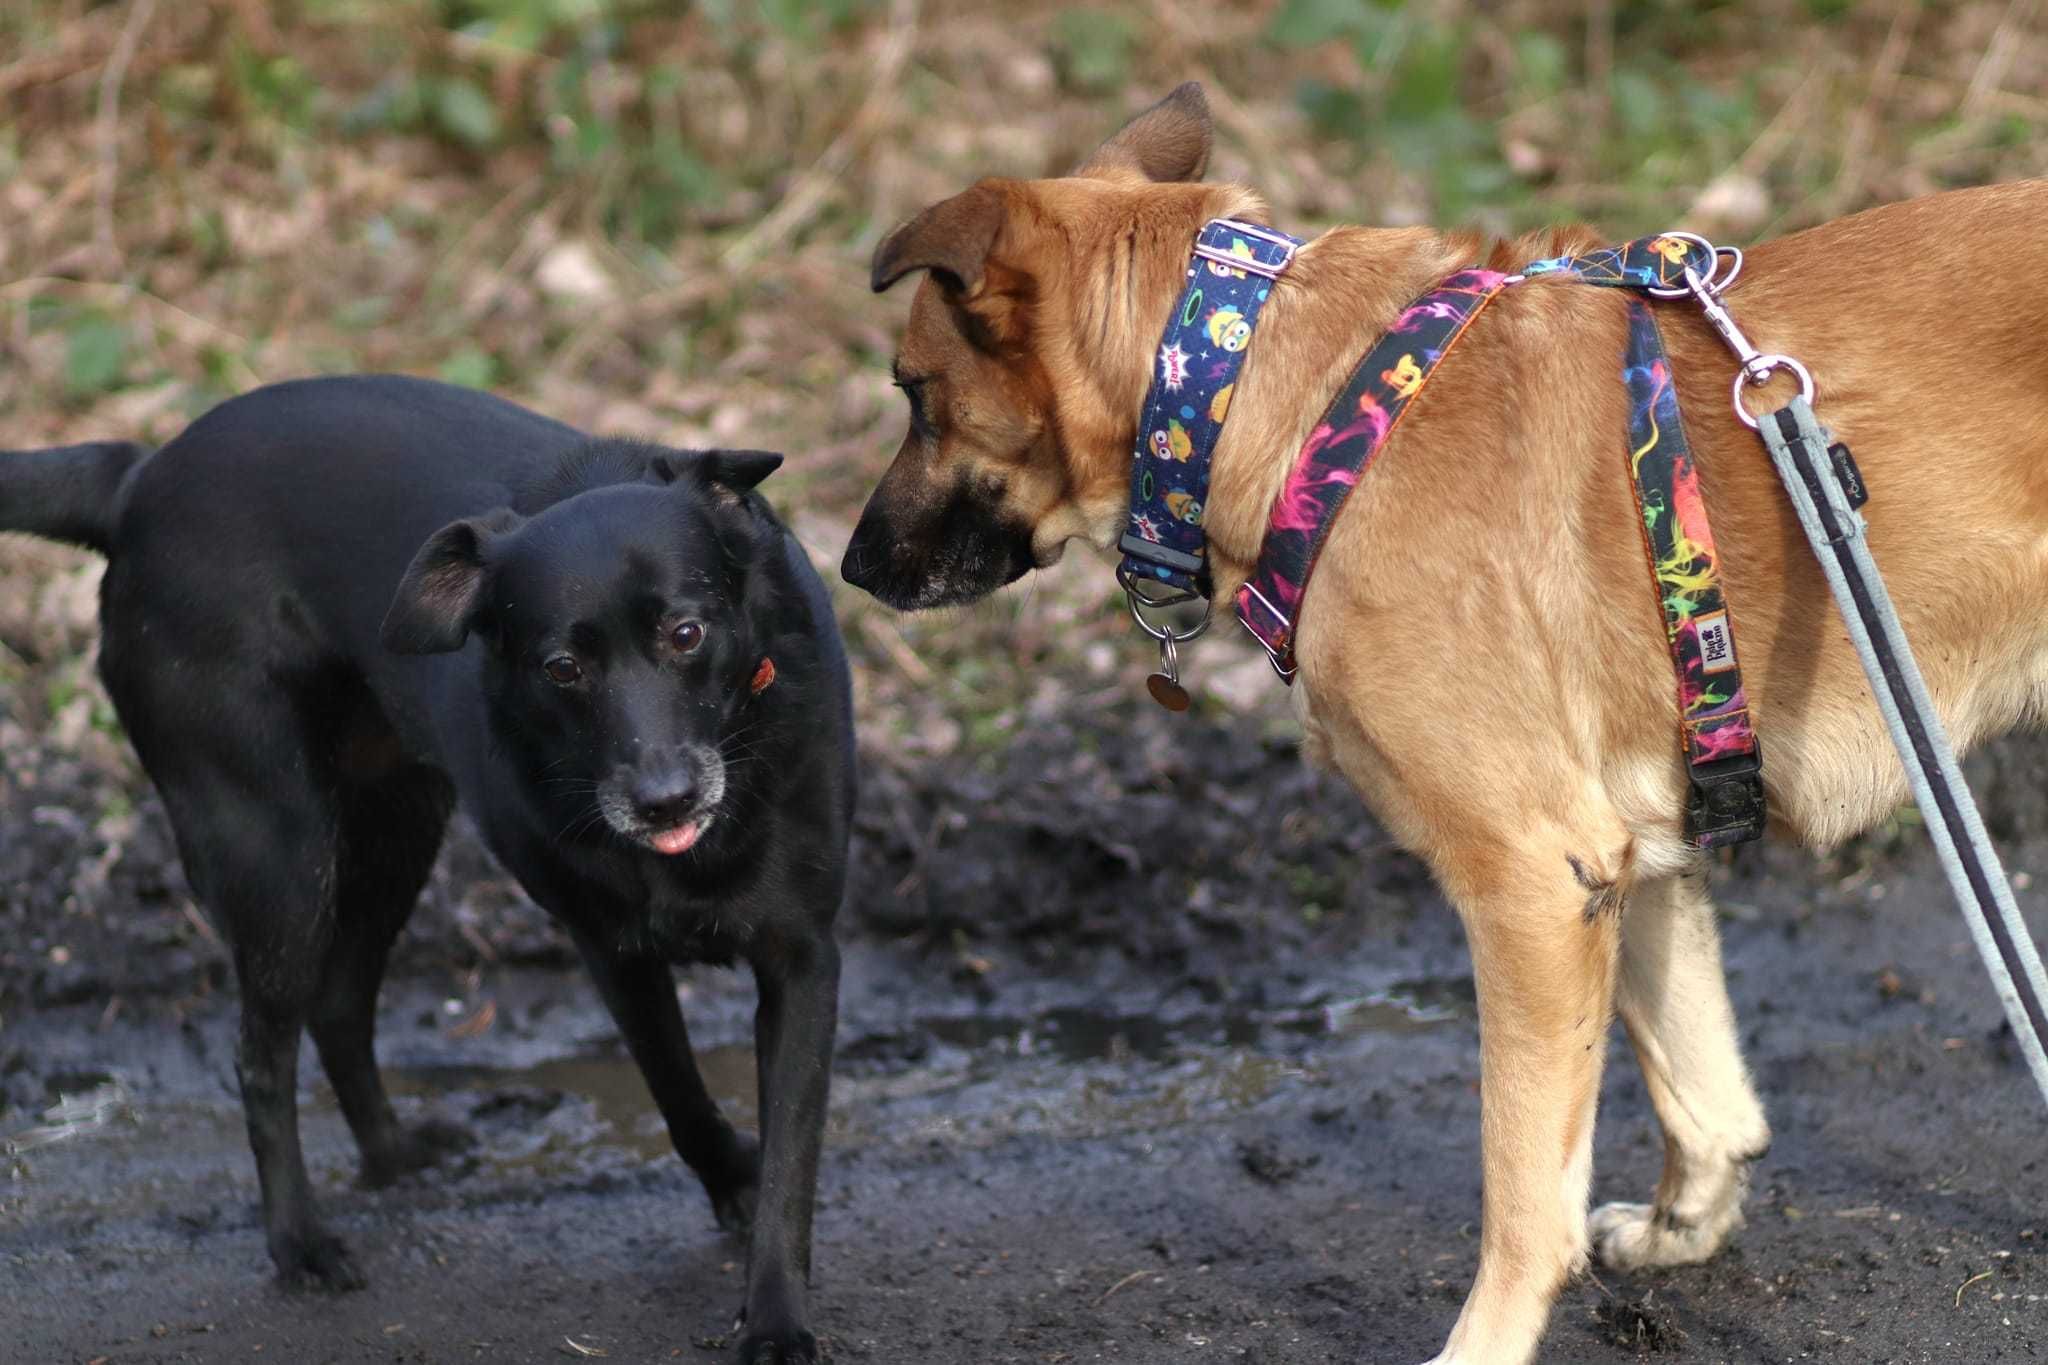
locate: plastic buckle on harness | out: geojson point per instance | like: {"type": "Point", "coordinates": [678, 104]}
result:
{"type": "Point", "coordinates": [1726, 801]}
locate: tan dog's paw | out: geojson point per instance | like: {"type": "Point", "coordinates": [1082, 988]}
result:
{"type": "Point", "coordinates": [1633, 1236]}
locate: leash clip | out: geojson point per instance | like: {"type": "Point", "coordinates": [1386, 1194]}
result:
{"type": "Point", "coordinates": [1757, 366]}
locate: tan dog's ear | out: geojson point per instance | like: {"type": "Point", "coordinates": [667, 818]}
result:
{"type": "Point", "coordinates": [951, 239]}
{"type": "Point", "coordinates": [1169, 141]}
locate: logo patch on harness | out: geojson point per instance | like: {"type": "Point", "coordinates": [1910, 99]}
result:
{"type": "Point", "coordinates": [1717, 644]}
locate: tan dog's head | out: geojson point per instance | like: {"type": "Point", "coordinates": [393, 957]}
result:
{"type": "Point", "coordinates": [1026, 358]}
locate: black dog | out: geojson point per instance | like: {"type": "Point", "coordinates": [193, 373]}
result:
{"type": "Point", "coordinates": [652, 730]}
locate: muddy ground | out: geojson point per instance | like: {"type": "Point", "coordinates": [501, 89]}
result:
{"type": "Point", "coordinates": [1152, 1050]}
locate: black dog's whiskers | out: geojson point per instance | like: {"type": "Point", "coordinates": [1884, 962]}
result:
{"type": "Point", "coordinates": [581, 823]}
{"type": "Point", "coordinates": [734, 751]}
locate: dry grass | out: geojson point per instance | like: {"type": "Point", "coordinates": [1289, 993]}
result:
{"type": "Point", "coordinates": [659, 225]}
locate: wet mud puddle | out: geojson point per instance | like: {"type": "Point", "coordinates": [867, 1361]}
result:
{"type": "Point", "coordinates": [970, 1079]}
{"type": "Point", "coordinates": [127, 1177]}
{"type": "Point", "coordinates": [567, 1102]}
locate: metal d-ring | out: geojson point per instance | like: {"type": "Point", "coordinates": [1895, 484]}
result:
{"type": "Point", "coordinates": [1714, 282]}
{"type": "Point", "coordinates": [1717, 283]}
{"type": "Point", "coordinates": [1757, 367]}
{"type": "Point", "coordinates": [1174, 697]}
{"type": "Point", "coordinates": [1165, 634]}
{"type": "Point", "coordinates": [1713, 258]}
{"type": "Point", "coordinates": [1757, 371]}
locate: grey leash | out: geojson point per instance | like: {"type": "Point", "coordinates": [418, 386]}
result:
{"type": "Point", "coordinates": [1826, 490]}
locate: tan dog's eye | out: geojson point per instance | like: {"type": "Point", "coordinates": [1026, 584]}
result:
{"type": "Point", "coordinates": [913, 389]}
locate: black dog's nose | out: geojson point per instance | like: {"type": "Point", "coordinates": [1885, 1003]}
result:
{"type": "Point", "coordinates": [665, 799]}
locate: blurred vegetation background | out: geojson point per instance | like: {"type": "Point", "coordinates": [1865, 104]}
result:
{"type": "Point", "coordinates": [654, 218]}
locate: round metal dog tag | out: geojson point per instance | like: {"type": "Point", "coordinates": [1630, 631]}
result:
{"type": "Point", "coordinates": [1167, 692]}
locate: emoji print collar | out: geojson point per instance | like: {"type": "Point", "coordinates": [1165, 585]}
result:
{"type": "Point", "coordinates": [1231, 271]}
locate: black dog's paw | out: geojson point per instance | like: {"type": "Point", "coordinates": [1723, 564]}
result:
{"type": "Point", "coordinates": [415, 1149]}
{"type": "Point", "coordinates": [317, 1261]}
{"type": "Point", "coordinates": [734, 1190]}
{"type": "Point", "coordinates": [789, 1346]}
{"type": "Point", "coordinates": [733, 1206]}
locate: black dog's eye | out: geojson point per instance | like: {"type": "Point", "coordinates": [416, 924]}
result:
{"type": "Point", "coordinates": [562, 670]}
{"type": "Point", "coordinates": [687, 636]}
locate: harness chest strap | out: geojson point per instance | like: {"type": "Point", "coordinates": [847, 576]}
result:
{"type": "Point", "coordinates": [1719, 743]}
{"type": "Point", "coordinates": [1722, 753]}
{"type": "Point", "coordinates": [1341, 446]}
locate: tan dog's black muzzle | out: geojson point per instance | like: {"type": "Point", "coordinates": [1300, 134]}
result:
{"type": "Point", "coordinates": [959, 550]}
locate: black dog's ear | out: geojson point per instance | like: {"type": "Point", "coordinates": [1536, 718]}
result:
{"type": "Point", "coordinates": [952, 239]}
{"type": "Point", "coordinates": [443, 587]}
{"type": "Point", "coordinates": [1168, 142]}
{"type": "Point", "coordinates": [738, 470]}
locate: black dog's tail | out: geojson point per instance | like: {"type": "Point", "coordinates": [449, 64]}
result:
{"type": "Point", "coordinates": [69, 493]}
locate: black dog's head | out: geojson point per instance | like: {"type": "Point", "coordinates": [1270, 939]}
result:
{"type": "Point", "coordinates": [627, 632]}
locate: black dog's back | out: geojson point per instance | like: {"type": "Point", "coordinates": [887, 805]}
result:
{"type": "Point", "coordinates": [269, 499]}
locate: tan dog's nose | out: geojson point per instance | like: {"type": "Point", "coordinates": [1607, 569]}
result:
{"type": "Point", "coordinates": [862, 564]}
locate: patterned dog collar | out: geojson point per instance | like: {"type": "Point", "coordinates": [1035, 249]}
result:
{"type": "Point", "coordinates": [1230, 274]}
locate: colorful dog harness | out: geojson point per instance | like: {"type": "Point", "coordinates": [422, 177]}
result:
{"type": "Point", "coordinates": [1723, 758]}
{"type": "Point", "coordinates": [1722, 753]}
{"type": "Point", "coordinates": [1720, 746]}
{"type": "Point", "coordinates": [1352, 430]}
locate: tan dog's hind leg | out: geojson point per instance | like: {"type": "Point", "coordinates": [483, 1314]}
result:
{"type": "Point", "coordinates": [1674, 1001]}
{"type": "Point", "coordinates": [1543, 955]}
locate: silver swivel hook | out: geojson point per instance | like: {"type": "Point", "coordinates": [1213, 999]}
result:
{"type": "Point", "coordinates": [1757, 366]}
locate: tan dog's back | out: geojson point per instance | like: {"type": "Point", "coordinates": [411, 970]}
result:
{"type": "Point", "coordinates": [1926, 327]}
{"type": "Point", "coordinates": [1505, 497]}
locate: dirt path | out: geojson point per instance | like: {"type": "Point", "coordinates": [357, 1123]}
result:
{"type": "Point", "coordinates": [1099, 1098]}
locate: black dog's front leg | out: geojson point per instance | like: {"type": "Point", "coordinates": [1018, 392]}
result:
{"type": "Point", "coordinates": [640, 992]}
{"type": "Point", "coordinates": [793, 1031]}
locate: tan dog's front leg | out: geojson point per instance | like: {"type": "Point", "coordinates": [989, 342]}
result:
{"type": "Point", "coordinates": [1674, 1000]}
{"type": "Point", "coordinates": [1543, 955]}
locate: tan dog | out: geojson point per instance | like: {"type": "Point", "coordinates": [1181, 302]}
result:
{"type": "Point", "coordinates": [1481, 652]}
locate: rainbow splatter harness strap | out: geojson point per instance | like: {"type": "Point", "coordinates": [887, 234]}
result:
{"type": "Point", "coordinates": [1354, 427]}
{"type": "Point", "coordinates": [1723, 757]}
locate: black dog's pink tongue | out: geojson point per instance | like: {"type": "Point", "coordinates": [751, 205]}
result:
{"type": "Point", "coordinates": [677, 840]}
